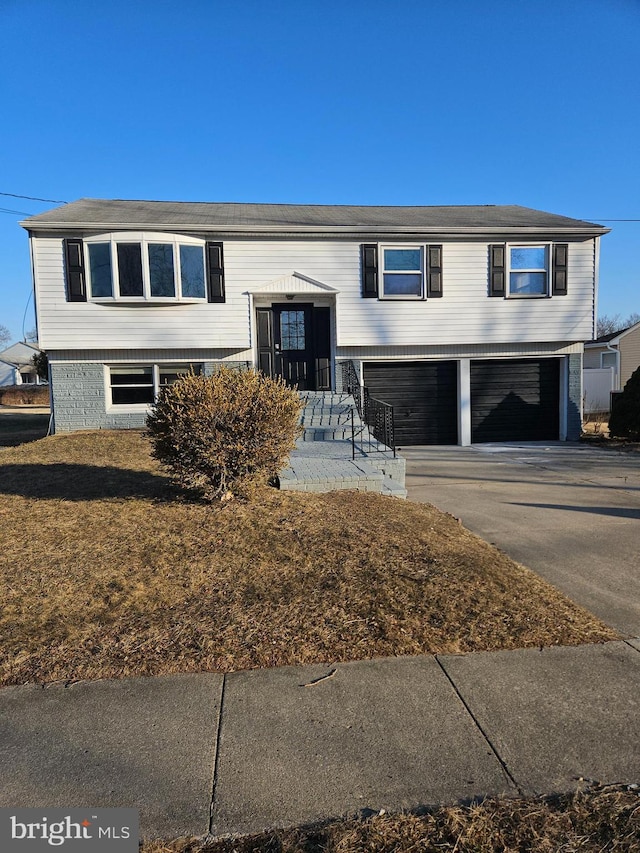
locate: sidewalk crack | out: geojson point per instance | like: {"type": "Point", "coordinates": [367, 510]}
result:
{"type": "Point", "coordinates": [480, 729]}
{"type": "Point", "coordinates": [216, 761]}
{"type": "Point", "coordinates": [628, 642]}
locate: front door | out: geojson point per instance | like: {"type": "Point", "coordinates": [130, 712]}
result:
{"type": "Point", "coordinates": [294, 343]}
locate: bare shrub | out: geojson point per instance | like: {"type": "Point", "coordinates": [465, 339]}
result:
{"type": "Point", "coordinates": [224, 434]}
{"type": "Point", "coordinates": [596, 423]}
{"type": "Point", "coordinates": [24, 395]}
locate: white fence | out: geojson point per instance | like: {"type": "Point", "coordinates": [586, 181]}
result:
{"type": "Point", "coordinates": [597, 385]}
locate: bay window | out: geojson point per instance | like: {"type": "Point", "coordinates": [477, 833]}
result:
{"type": "Point", "coordinates": [147, 268]}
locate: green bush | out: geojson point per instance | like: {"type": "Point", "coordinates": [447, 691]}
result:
{"type": "Point", "coordinates": [224, 434]}
{"type": "Point", "coordinates": [624, 421]}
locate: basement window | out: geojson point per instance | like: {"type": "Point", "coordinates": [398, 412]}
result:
{"type": "Point", "coordinates": [139, 384]}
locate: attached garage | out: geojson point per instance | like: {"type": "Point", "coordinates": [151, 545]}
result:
{"type": "Point", "coordinates": [424, 397]}
{"type": "Point", "coordinates": [515, 399]}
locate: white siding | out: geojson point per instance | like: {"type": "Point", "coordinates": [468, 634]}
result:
{"type": "Point", "coordinates": [446, 351]}
{"type": "Point", "coordinates": [145, 356]}
{"type": "Point", "coordinates": [8, 374]}
{"type": "Point", "coordinates": [92, 325]}
{"type": "Point", "coordinates": [464, 315]}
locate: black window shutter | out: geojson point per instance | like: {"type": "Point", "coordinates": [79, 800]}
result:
{"type": "Point", "coordinates": [74, 267]}
{"type": "Point", "coordinates": [434, 271]}
{"type": "Point", "coordinates": [369, 264]}
{"type": "Point", "coordinates": [560, 253]}
{"type": "Point", "coordinates": [215, 273]}
{"type": "Point", "coordinates": [497, 270]}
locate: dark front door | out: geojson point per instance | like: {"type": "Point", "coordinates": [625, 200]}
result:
{"type": "Point", "coordinates": [294, 343]}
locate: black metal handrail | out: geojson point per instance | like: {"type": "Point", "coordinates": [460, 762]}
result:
{"type": "Point", "coordinates": [351, 383]}
{"type": "Point", "coordinates": [375, 414]}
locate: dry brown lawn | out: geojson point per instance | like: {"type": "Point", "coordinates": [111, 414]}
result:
{"type": "Point", "coordinates": [605, 820]}
{"type": "Point", "coordinates": [106, 572]}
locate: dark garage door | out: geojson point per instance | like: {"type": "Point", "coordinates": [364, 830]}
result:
{"type": "Point", "coordinates": [424, 398]}
{"type": "Point", "coordinates": [515, 399]}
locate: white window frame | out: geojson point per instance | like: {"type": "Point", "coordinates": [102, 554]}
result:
{"type": "Point", "coordinates": [547, 270]}
{"type": "Point", "coordinates": [615, 354]}
{"type": "Point", "coordinates": [156, 367]}
{"type": "Point", "coordinates": [401, 296]}
{"type": "Point", "coordinates": [144, 238]}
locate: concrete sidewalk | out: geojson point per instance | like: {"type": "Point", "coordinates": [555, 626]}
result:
{"type": "Point", "coordinates": [259, 749]}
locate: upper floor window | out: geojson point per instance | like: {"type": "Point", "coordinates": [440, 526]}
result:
{"type": "Point", "coordinates": [528, 270]}
{"type": "Point", "coordinates": [147, 268]}
{"type": "Point", "coordinates": [402, 271]}
{"type": "Point", "coordinates": [397, 271]}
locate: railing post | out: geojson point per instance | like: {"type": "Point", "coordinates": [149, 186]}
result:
{"type": "Point", "coordinates": [353, 436]}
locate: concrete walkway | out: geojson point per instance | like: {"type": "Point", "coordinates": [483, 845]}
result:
{"type": "Point", "coordinates": [570, 512]}
{"type": "Point", "coordinates": [199, 754]}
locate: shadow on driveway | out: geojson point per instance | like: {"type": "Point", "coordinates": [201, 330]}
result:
{"type": "Point", "coordinates": [616, 512]}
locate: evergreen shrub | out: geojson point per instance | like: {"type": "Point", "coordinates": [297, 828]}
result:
{"type": "Point", "coordinates": [224, 434]}
{"type": "Point", "coordinates": [624, 421]}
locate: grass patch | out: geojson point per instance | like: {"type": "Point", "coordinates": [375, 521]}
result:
{"type": "Point", "coordinates": [601, 821]}
{"type": "Point", "coordinates": [109, 573]}
{"type": "Point", "coordinates": [19, 427]}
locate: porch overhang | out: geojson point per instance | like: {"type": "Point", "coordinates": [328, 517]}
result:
{"type": "Point", "coordinates": [296, 284]}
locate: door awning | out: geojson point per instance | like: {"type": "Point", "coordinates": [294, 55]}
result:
{"type": "Point", "coordinates": [295, 283]}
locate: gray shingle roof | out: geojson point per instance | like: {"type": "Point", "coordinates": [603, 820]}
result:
{"type": "Point", "coordinates": [223, 216]}
{"type": "Point", "coordinates": [604, 339]}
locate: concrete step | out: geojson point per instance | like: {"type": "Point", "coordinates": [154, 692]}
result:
{"type": "Point", "coordinates": [393, 489]}
{"type": "Point", "coordinates": [313, 474]}
{"type": "Point", "coordinates": [328, 409]}
{"type": "Point", "coordinates": [327, 433]}
{"type": "Point", "coordinates": [393, 467]}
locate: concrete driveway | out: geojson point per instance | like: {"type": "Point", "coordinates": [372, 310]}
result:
{"type": "Point", "coordinates": [568, 511]}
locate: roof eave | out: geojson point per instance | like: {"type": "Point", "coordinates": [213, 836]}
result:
{"type": "Point", "coordinates": [220, 228]}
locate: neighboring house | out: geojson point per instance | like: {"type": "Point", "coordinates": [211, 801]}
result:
{"type": "Point", "coordinates": [16, 365]}
{"type": "Point", "coordinates": [469, 320]}
{"type": "Point", "coordinates": [7, 374]}
{"type": "Point", "coordinates": [619, 350]}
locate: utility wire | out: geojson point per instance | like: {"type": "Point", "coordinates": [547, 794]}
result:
{"type": "Point", "coordinates": [34, 198]}
{"type": "Point", "coordinates": [26, 308]}
{"type": "Point", "coordinates": [19, 212]}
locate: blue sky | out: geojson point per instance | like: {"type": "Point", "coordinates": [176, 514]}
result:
{"type": "Point", "coordinates": [352, 102]}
